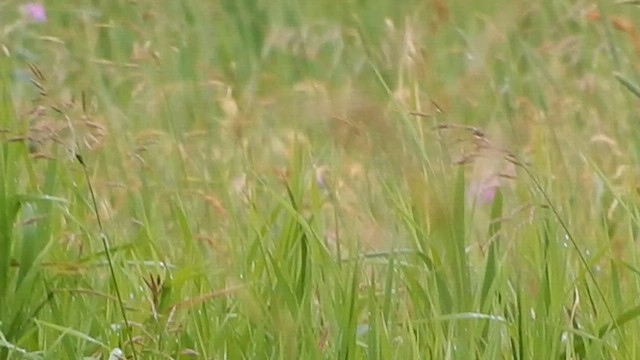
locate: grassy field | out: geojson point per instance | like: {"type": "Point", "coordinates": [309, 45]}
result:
{"type": "Point", "coordinates": [273, 179]}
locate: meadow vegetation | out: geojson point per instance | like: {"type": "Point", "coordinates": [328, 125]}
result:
{"type": "Point", "coordinates": [253, 179]}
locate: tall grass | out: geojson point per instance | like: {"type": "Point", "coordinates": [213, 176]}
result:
{"type": "Point", "coordinates": [319, 180]}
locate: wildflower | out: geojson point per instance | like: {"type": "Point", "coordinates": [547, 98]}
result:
{"type": "Point", "coordinates": [485, 191]}
{"type": "Point", "coordinates": [35, 12]}
{"type": "Point", "coordinates": [488, 193]}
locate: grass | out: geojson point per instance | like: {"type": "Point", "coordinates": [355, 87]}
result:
{"type": "Point", "coordinates": [330, 179]}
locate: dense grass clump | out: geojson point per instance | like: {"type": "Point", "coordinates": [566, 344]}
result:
{"type": "Point", "coordinates": [247, 179]}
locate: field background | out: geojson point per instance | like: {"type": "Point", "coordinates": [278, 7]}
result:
{"type": "Point", "coordinates": [319, 179]}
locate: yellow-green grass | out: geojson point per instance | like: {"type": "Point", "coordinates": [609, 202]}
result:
{"type": "Point", "coordinates": [329, 179]}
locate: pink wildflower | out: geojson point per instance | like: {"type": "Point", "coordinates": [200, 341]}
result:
{"type": "Point", "coordinates": [485, 191]}
{"type": "Point", "coordinates": [488, 193]}
{"type": "Point", "coordinates": [35, 12]}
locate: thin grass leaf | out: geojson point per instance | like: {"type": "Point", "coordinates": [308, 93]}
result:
{"type": "Point", "coordinates": [9, 207]}
{"type": "Point", "coordinates": [620, 321]}
{"type": "Point", "coordinates": [58, 316]}
{"type": "Point", "coordinates": [348, 332]}
{"type": "Point", "coordinates": [470, 316]}
{"type": "Point", "coordinates": [389, 289]}
{"type": "Point", "coordinates": [491, 265]}
{"type": "Point", "coordinates": [9, 203]}
{"type": "Point", "coordinates": [458, 239]}
{"type": "Point", "coordinates": [13, 348]}
{"type": "Point", "coordinates": [72, 332]}
{"type": "Point", "coordinates": [629, 84]}
{"type": "Point", "coordinates": [33, 242]}
{"type": "Point", "coordinates": [181, 217]}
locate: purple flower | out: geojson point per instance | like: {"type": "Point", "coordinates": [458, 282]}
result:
{"type": "Point", "coordinates": [35, 12]}
{"type": "Point", "coordinates": [484, 191]}
{"type": "Point", "coordinates": [488, 193]}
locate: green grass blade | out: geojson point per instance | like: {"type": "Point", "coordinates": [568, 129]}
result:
{"type": "Point", "coordinates": [629, 84]}
{"type": "Point", "coordinates": [491, 265]}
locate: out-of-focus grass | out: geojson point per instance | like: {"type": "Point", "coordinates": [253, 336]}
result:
{"type": "Point", "coordinates": [330, 179]}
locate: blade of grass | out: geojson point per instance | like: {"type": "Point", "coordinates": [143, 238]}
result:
{"type": "Point", "coordinates": [574, 243]}
{"type": "Point", "coordinates": [491, 265]}
{"type": "Point", "coordinates": [629, 84]}
{"type": "Point", "coordinates": [461, 269]}
{"type": "Point", "coordinates": [107, 251]}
